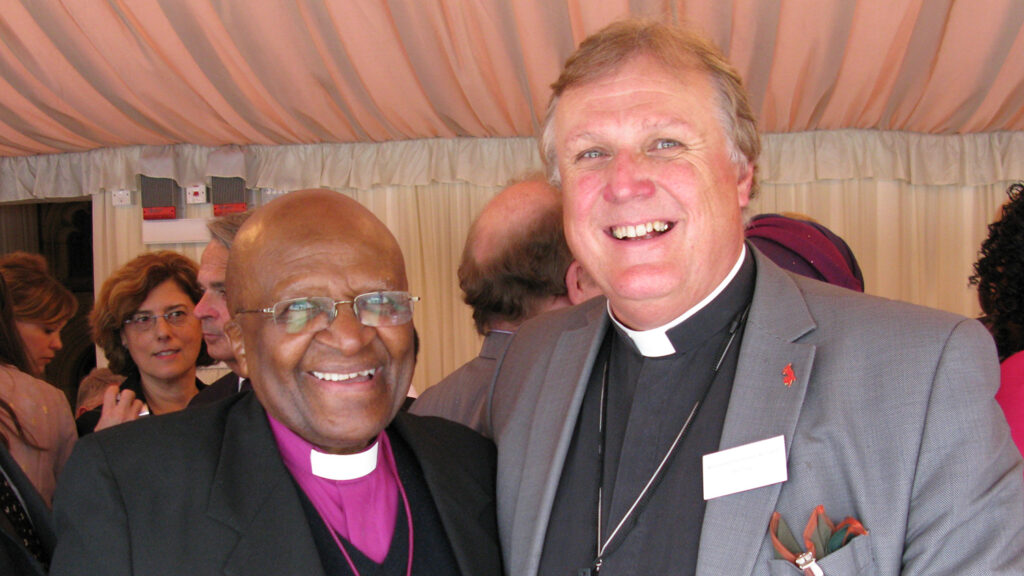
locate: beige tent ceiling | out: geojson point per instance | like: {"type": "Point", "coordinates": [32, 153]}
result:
{"type": "Point", "coordinates": [77, 75]}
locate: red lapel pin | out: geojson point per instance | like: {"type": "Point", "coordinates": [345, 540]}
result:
{"type": "Point", "coordinates": [788, 377]}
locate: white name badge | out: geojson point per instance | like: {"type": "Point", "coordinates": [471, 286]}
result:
{"type": "Point", "coordinates": [745, 467]}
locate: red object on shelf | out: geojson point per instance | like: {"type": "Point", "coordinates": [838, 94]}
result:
{"type": "Point", "coordinates": [228, 208]}
{"type": "Point", "coordinates": [159, 213]}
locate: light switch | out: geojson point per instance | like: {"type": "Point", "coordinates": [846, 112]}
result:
{"type": "Point", "coordinates": [195, 194]}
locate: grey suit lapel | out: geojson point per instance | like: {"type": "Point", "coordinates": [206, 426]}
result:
{"type": "Point", "coordinates": [761, 406]}
{"type": "Point", "coordinates": [253, 494]}
{"type": "Point", "coordinates": [552, 428]}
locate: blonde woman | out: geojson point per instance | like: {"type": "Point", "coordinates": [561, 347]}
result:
{"type": "Point", "coordinates": [42, 306]}
{"type": "Point", "coordinates": [36, 424]}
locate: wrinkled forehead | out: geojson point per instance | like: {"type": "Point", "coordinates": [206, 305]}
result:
{"type": "Point", "coordinates": [322, 262]}
{"type": "Point", "coordinates": [619, 74]}
{"type": "Point", "coordinates": [318, 233]}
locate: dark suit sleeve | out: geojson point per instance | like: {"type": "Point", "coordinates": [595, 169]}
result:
{"type": "Point", "coordinates": [92, 526]}
{"type": "Point", "coordinates": [15, 560]}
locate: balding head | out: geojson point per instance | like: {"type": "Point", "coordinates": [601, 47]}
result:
{"type": "Point", "coordinates": [335, 383]}
{"type": "Point", "coordinates": [308, 222]}
{"type": "Point", "coordinates": [515, 260]}
{"type": "Point", "coordinates": [504, 219]}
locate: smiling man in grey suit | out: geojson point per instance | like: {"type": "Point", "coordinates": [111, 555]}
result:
{"type": "Point", "coordinates": [612, 418]}
{"type": "Point", "coordinates": [316, 472]}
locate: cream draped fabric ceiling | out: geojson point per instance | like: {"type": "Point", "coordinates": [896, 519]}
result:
{"type": "Point", "coordinates": [898, 123]}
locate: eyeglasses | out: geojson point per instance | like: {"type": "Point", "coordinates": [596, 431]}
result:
{"type": "Point", "coordinates": [315, 313]}
{"type": "Point", "coordinates": [144, 322]}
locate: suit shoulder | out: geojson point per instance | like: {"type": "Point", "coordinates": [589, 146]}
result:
{"type": "Point", "coordinates": [153, 439]}
{"type": "Point", "coordinates": [826, 300]}
{"type": "Point", "coordinates": [550, 325]}
{"type": "Point", "coordinates": [435, 425]}
{"type": "Point", "coordinates": [224, 387]}
{"type": "Point", "coordinates": [442, 435]}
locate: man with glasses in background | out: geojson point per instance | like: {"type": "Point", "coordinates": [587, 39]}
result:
{"type": "Point", "coordinates": [315, 473]}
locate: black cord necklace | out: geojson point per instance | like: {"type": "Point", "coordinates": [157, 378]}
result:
{"type": "Point", "coordinates": [603, 546]}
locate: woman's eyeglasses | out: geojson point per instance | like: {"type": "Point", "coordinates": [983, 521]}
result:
{"type": "Point", "coordinates": [144, 322]}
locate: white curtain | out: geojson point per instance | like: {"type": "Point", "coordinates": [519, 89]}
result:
{"type": "Point", "coordinates": [913, 243]}
{"type": "Point", "coordinates": [913, 208]}
{"type": "Point", "coordinates": [429, 218]}
{"type": "Point", "coordinates": [430, 223]}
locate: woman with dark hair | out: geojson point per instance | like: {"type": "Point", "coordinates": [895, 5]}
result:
{"type": "Point", "coordinates": [999, 275]}
{"type": "Point", "coordinates": [36, 424]}
{"type": "Point", "coordinates": [144, 323]}
{"type": "Point", "coordinates": [42, 306]}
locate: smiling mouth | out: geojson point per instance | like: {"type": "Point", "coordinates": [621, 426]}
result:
{"type": "Point", "coordinates": [165, 353]}
{"type": "Point", "coordinates": [336, 377]}
{"type": "Point", "coordinates": [643, 231]}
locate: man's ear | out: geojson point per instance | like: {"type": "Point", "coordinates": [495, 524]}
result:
{"type": "Point", "coordinates": [580, 286]}
{"type": "Point", "coordinates": [572, 282]}
{"type": "Point", "coordinates": [744, 182]}
{"type": "Point", "coordinates": [234, 334]}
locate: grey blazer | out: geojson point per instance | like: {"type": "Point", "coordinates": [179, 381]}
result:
{"type": "Point", "coordinates": [204, 492]}
{"type": "Point", "coordinates": [462, 395]}
{"type": "Point", "coordinates": [890, 420]}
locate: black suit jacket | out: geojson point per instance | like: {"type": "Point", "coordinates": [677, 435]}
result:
{"type": "Point", "coordinates": [204, 492]}
{"type": "Point", "coordinates": [15, 560]}
{"type": "Point", "coordinates": [224, 387]}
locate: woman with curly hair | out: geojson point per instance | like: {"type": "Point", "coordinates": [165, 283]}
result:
{"type": "Point", "coordinates": [36, 425]}
{"type": "Point", "coordinates": [42, 306]}
{"type": "Point", "coordinates": [144, 323]}
{"type": "Point", "coordinates": [999, 275]}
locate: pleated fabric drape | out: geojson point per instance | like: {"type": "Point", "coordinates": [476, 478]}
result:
{"type": "Point", "coordinates": [915, 219]}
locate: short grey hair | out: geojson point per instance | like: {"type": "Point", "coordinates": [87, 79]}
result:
{"type": "Point", "coordinates": [225, 228]}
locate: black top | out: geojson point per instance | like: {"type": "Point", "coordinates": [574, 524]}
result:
{"type": "Point", "coordinates": [648, 401]}
{"type": "Point", "coordinates": [15, 559]}
{"type": "Point", "coordinates": [86, 423]}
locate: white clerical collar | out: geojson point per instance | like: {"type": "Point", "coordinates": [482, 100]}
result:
{"type": "Point", "coordinates": [654, 343]}
{"type": "Point", "coordinates": [344, 466]}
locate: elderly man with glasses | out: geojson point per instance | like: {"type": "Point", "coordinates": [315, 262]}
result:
{"type": "Point", "coordinates": [315, 473]}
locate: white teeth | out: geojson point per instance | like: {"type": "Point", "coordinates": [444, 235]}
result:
{"type": "Point", "coordinates": [331, 377]}
{"type": "Point", "coordinates": [639, 230]}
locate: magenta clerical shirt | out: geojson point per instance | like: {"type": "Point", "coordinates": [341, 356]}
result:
{"type": "Point", "coordinates": [355, 494]}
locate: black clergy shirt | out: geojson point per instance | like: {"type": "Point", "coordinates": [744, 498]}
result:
{"type": "Point", "coordinates": [648, 400]}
